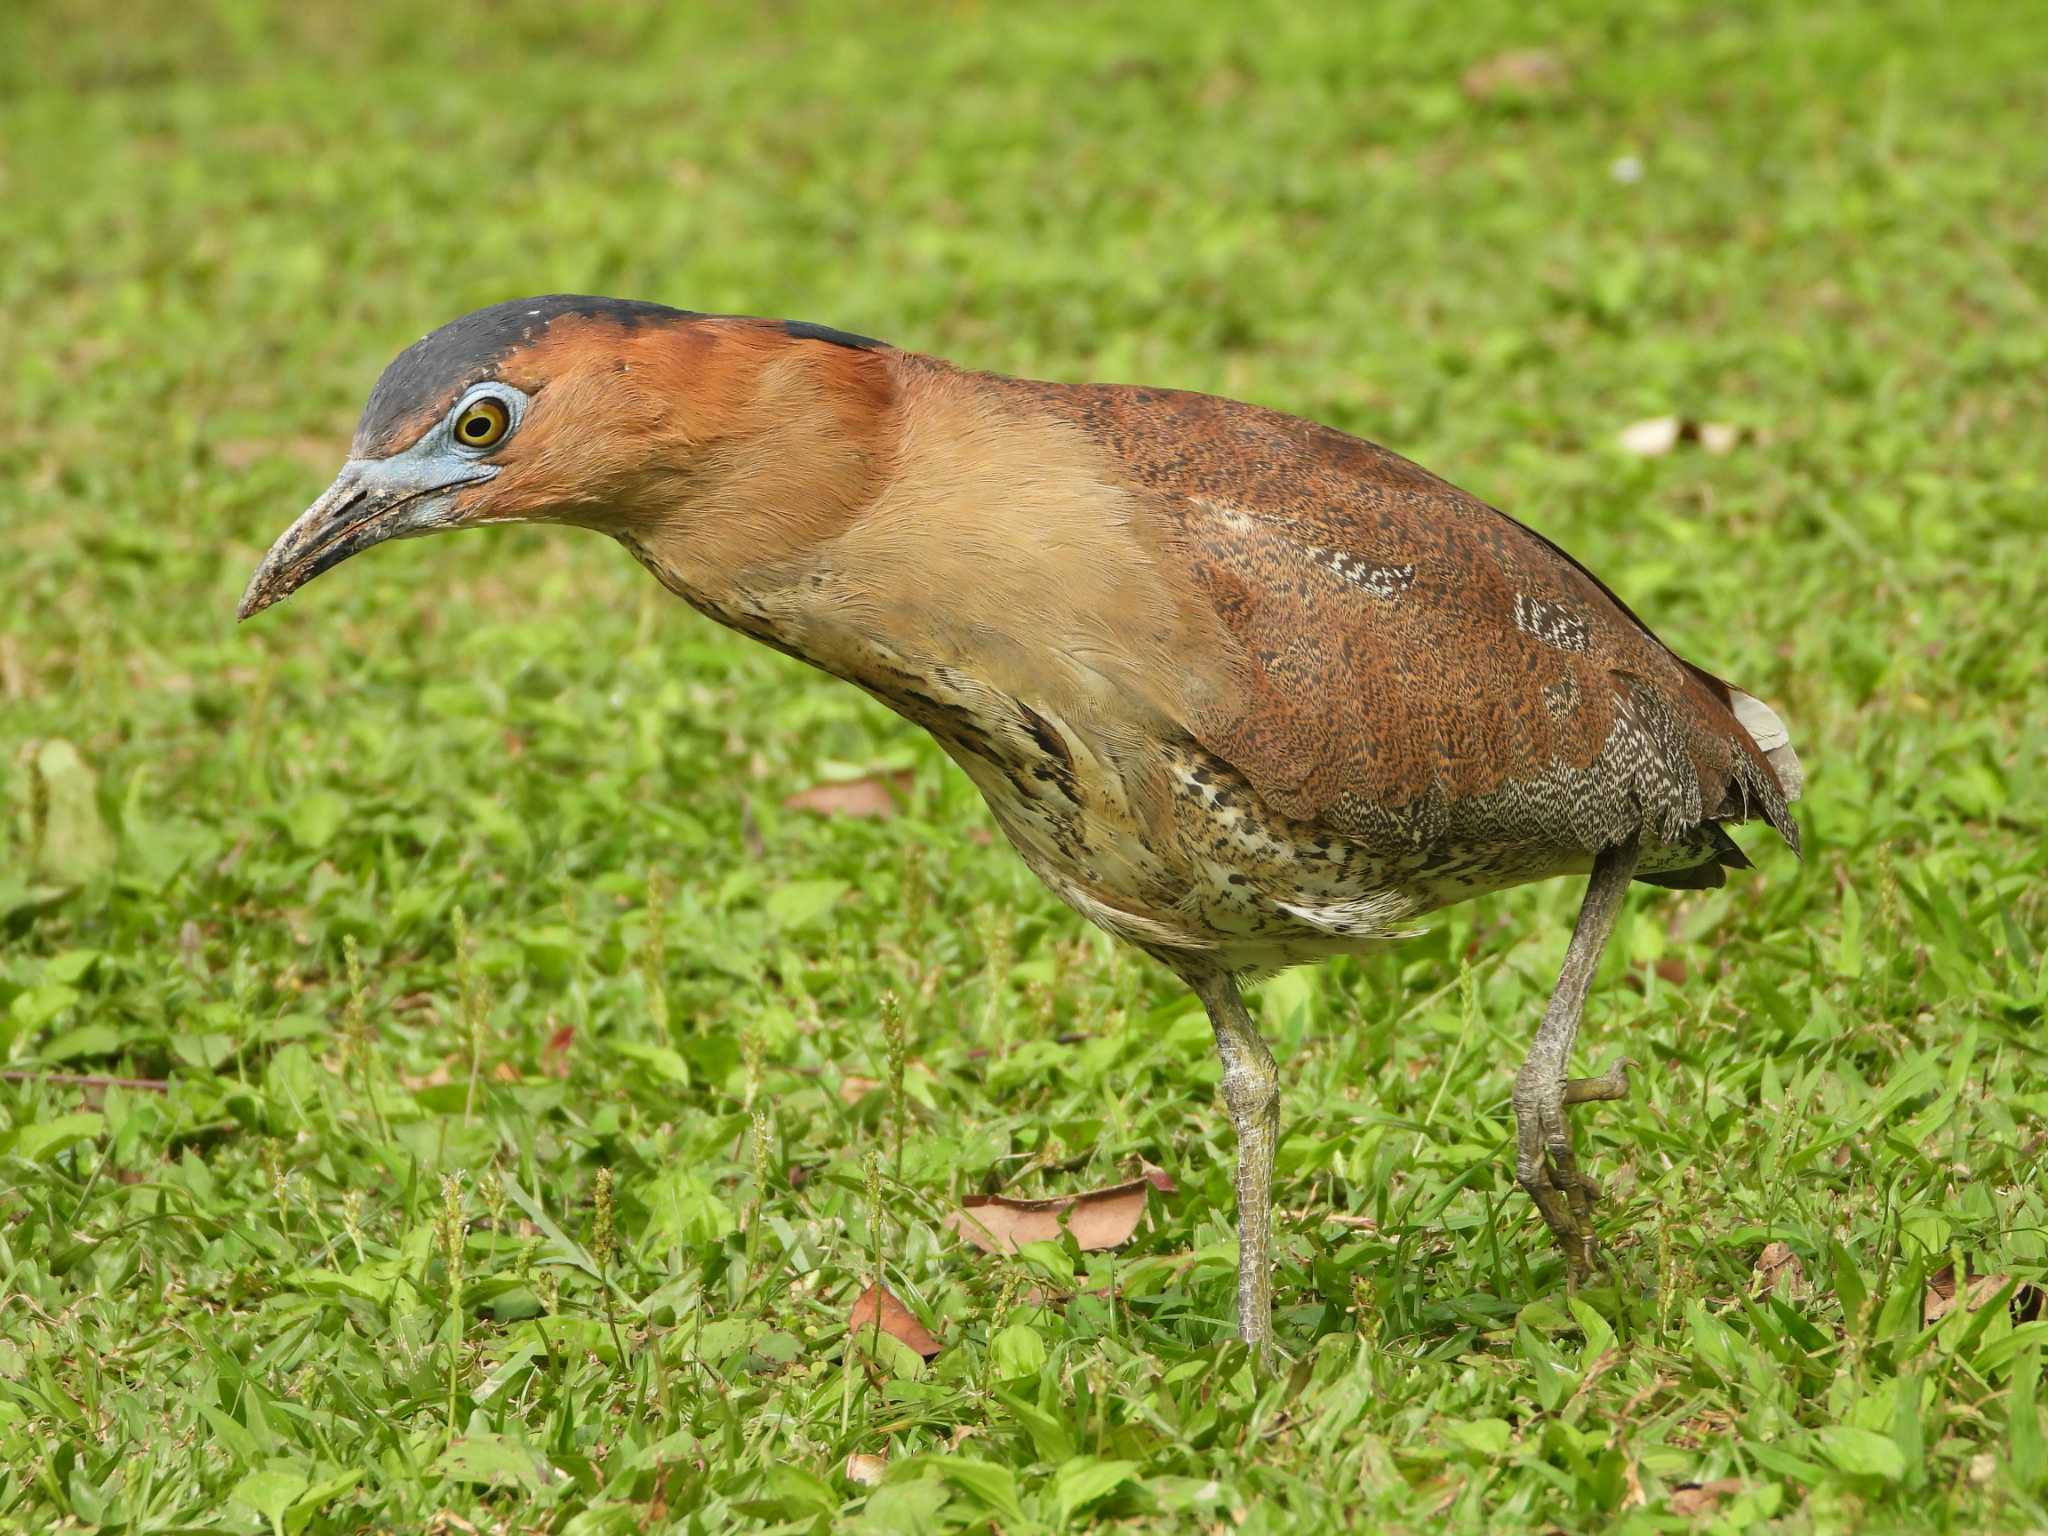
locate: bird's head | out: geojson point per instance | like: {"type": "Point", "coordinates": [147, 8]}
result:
{"type": "Point", "coordinates": [564, 409]}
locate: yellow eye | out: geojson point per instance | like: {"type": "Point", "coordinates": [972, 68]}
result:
{"type": "Point", "coordinates": [483, 423]}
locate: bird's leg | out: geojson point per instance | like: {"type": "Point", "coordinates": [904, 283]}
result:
{"type": "Point", "coordinates": [1251, 1092]}
{"type": "Point", "coordinates": [1544, 1163]}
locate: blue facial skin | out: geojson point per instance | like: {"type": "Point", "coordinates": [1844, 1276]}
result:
{"type": "Point", "coordinates": [403, 496]}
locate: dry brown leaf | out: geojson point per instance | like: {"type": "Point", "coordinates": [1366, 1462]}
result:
{"type": "Point", "coordinates": [870, 797]}
{"type": "Point", "coordinates": [1779, 1273]}
{"type": "Point", "coordinates": [897, 1320]}
{"type": "Point", "coordinates": [853, 1089]}
{"type": "Point", "coordinates": [1941, 1297]}
{"type": "Point", "coordinates": [865, 1469]}
{"type": "Point", "coordinates": [1518, 72]}
{"type": "Point", "coordinates": [1100, 1218]}
{"type": "Point", "coordinates": [1703, 1498]}
{"type": "Point", "coordinates": [1157, 1177]}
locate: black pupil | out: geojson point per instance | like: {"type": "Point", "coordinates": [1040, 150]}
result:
{"type": "Point", "coordinates": [479, 425]}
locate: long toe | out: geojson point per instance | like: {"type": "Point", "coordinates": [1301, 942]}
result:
{"type": "Point", "coordinates": [1539, 1132]}
{"type": "Point", "coordinates": [1611, 1084]}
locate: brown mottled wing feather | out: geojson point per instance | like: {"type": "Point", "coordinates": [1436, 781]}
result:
{"type": "Point", "coordinates": [1414, 665]}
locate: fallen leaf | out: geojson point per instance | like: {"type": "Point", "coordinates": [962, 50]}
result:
{"type": "Point", "coordinates": [1658, 435]}
{"type": "Point", "coordinates": [1941, 1295]}
{"type": "Point", "coordinates": [1650, 439]}
{"type": "Point", "coordinates": [897, 1320]}
{"type": "Point", "coordinates": [865, 1469]}
{"type": "Point", "coordinates": [1158, 1178]}
{"type": "Point", "coordinates": [1703, 1498]}
{"type": "Point", "coordinates": [853, 1089]}
{"type": "Point", "coordinates": [1779, 1273]}
{"type": "Point", "coordinates": [1517, 72]}
{"type": "Point", "coordinates": [872, 797]}
{"type": "Point", "coordinates": [1100, 1218]}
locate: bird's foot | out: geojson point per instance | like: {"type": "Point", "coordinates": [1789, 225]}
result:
{"type": "Point", "coordinates": [1547, 1167]}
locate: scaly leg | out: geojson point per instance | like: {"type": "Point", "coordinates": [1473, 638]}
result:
{"type": "Point", "coordinates": [1251, 1092]}
{"type": "Point", "coordinates": [1544, 1163]}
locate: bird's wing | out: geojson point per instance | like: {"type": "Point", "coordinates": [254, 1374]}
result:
{"type": "Point", "coordinates": [1413, 665]}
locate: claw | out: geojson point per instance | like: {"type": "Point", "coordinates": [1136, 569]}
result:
{"type": "Point", "coordinates": [1548, 1170]}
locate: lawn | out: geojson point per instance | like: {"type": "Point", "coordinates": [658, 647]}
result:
{"type": "Point", "coordinates": [454, 1083]}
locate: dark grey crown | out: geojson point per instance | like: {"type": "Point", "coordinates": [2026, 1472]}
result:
{"type": "Point", "coordinates": [442, 364]}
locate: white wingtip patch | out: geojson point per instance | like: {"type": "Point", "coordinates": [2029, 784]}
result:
{"type": "Point", "coordinates": [1772, 739]}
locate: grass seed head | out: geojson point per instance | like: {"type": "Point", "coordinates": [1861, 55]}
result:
{"type": "Point", "coordinates": [352, 1217]}
{"type": "Point", "coordinates": [753, 1061]}
{"type": "Point", "coordinates": [454, 1229]}
{"type": "Point", "coordinates": [896, 1036]}
{"type": "Point", "coordinates": [760, 1140]}
{"type": "Point", "coordinates": [492, 1188]}
{"type": "Point", "coordinates": [601, 1233]}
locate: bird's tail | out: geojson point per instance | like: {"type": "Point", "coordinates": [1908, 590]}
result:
{"type": "Point", "coordinates": [1771, 738]}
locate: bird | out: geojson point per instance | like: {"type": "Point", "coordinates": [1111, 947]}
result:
{"type": "Point", "coordinates": [1243, 690]}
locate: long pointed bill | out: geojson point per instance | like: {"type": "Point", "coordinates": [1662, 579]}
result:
{"type": "Point", "coordinates": [370, 501]}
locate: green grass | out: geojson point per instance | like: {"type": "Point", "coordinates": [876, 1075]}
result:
{"type": "Point", "coordinates": [226, 1300]}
